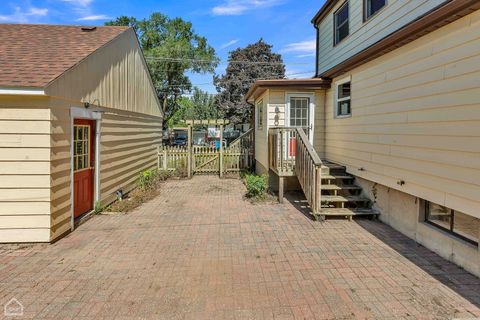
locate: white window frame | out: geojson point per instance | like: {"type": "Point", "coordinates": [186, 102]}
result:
{"type": "Point", "coordinates": [337, 100]}
{"type": "Point", "coordinates": [366, 17]}
{"type": "Point", "coordinates": [311, 96]}
{"type": "Point", "coordinates": [260, 106]}
{"type": "Point", "coordinates": [335, 28]}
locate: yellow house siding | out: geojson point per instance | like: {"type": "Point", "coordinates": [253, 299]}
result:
{"type": "Point", "coordinates": [261, 135]}
{"type": "Point", "coordinates": [128, 146]}
{"type": "Point", "coordinates": [61, 168]}
{"type": "Point", "coordinates": [115, 76]}
{"type": "Point", "coordinates": [416, 117]}
{"type": "Point", "coordinates": [24, 169]}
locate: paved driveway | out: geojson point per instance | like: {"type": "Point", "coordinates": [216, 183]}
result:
{"type": "Point", "coordinates": [199, 251]}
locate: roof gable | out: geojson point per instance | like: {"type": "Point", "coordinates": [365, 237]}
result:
{"type": "Point", "coordinates": [35, 55]}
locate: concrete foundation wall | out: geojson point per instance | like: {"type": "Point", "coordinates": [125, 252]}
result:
{"type": "Point", "coordinates": [403, 212]}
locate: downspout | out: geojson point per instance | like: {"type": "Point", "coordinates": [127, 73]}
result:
{"type": "Point", "coordinates": [254, 123]}
{"type": "Point", "coordinates": [317, 48]}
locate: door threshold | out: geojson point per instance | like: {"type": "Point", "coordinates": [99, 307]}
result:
{"type": "Point", "coordinates": [83, 218]}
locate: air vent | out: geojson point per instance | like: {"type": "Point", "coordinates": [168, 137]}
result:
{"type": "Point", "coordinates": [89, 29]}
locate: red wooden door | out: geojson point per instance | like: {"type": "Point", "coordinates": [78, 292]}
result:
{"type": "Point", "coordinates": [83, 165]}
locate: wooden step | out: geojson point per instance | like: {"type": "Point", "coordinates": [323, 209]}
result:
{"type": "Point", "coordinates": [330, 177]}
{"type": "Point", "coordinates": [331, 187]}
{"type": "Point", "coordinates": [334, 166]}
{"type": "Point", "coordinates": [343, 199]}
{"type": "Point", "coordinates": [334, 187]}
{"type": "Point", "coordinates": [345, 212]}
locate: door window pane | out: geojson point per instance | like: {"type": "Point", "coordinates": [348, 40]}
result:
{"type": "Point", "coordinates": [81, 147]}
{"type": "Point", "coordinates": [299, 112]}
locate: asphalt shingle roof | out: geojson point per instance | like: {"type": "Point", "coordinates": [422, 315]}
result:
{"type": "Point", "coordinates": [35, 55]}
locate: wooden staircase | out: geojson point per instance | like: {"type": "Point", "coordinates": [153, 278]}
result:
{"type": "Point", "coordinates": [328, 188]}
{"type": "Point", "coordinates": [340, 196]}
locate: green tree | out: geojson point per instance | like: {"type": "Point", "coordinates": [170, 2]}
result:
{"type": "Point", "coordinates": [246, 65]}
{"type": "Point", "coordinates": [173, 49]}
{"type": "Point", "coordinates": [200, 106]}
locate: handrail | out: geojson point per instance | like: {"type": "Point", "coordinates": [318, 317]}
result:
{"type": "Point", "coordinates": [248, 135]}
{"type": "Point", "coordinates": [308, 169]}
{"type": "Point", "coordinates": [311, 151]}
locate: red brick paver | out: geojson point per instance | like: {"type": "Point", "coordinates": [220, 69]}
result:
{"type": "Point", "coordinates": [199, 251]}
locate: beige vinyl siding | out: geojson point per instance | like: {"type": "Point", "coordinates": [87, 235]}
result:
{"type": "Point", "coordinates": [278, 99]}
{"type": "Point", "coordinates": [261, 135]}
{"type": "Point", "coordinates": [24, 169]}
{"type": "Point", "coordinates": [395, 15]}
{"type": "Point", "coordinates": [115, 76]}
{"type": "Point", "coordinates": [415, 117]}
{"type": "Point", "coordinates": [128, 146]}
{"type": "Point", "coordinates": [61, 196]}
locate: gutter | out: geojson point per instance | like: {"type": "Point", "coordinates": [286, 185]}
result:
{"type": "Point", "coordinates": [317, 48]}
{"type": "Point", "coordinates": [22, 92]}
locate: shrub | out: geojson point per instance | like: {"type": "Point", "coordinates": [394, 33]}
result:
{"type": "Point", "coordinates": [256, 186]}
{"type": "Point", "coordinates": [147, 179]}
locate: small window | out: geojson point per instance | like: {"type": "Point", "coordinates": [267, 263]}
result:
{"type": "Point", "coordinates": [260, 115]}
{"type": "Point", "coordinates": [457, 223]}
{"type": "Point", "coordinates": [341, 24]}
{"type": "Point", "coordinates": [372, 7]}
{"type": "Point", "coordinates": [81, 149]}
{"type": "Point", "coordinates": [343, 99]}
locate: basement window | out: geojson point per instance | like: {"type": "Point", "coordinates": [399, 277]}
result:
{"type": "Point", "coordinates": [260, 115]}
{"type": "Point", "coordinates": [371, 7]}
{"type": "Point", "coordinates": [454, 222]}
{"type": "Point", "coordinates": [341, 25]}
{"type": "Point", "coordinates": [343, 98]}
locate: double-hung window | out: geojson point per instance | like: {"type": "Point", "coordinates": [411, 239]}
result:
{"type": "Point", "coordinates": [371, 7]}
{"type": "Point", "coordinates": [341, 23]}
{"type": "Point", "coordinates": [343, 97]}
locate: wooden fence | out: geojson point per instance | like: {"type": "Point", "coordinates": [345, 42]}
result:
{"type": "Point", "coordinates": [209, 160]}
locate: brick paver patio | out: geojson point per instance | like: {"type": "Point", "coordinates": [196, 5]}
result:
{"type": "Point", "coordinates": [199, 251]}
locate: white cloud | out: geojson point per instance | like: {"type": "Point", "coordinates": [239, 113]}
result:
{"type": "Point", "coordinates": [79, 3]}
{"type": "Point", "coordinates": [94, 17]}
{"type": "Point", "coordinates": [307, 47]}
{"type": "Point", "coordinates": [20, 15]}
{"type": "Point", "coordinates": [229, 44]}
{"type": "Point", "coordinates": [239, 7]}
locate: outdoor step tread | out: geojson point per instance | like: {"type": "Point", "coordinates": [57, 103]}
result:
{"type": "Point", "coordinates": [343, 199]}
{"type": "Point", "coordinates": [347, 212]}
{"type": "Point", "coordinates": [334, 166]}
{"type": "Point", "coordinates": [331, 187]}
{"type": "Point", "coordinates": [337, 187]}
{"type": "Point", "coordinates": [332, 177]}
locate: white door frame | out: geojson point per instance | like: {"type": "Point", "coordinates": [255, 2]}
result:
{"type": "Point", "coordinates": [89, 114]}
{"type": "Point", "coordinates": [288, 96]}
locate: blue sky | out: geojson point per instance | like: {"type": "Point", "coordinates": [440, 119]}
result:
{"type": "Point", "coordinates": [227, 24]}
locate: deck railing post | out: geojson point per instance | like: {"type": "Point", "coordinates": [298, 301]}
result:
{"type": "Point", "coordinates": [281, 142]}
{"type": "Point", "coordinates": [189, 151]}
{"type": "Point", "coordinates": [221, 151]}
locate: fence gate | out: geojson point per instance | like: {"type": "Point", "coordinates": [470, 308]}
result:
{"type": "Point", "coordinates": [205, 160]}
{"type": "Point", "coordinates": [238, 156]}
